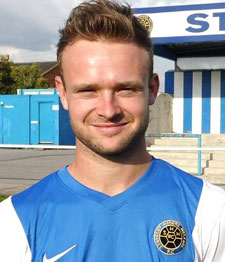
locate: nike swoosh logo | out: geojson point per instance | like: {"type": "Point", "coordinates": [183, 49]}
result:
{"type": "Point", "coordinates": [55, 258]}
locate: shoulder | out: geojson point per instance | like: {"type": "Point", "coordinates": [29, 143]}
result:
{"type": "Point", "coordinates": [26, 203]}
{"type": "Point", "coordinates": [176, 176]}
{"type": "Point", "coordinates": [6, 208]}
{"type": "Point", "coordinates": [26, 200]}
{"type": "Point", "coordinates": [176, 187]}
{"type": "Point", "coordinates": [45, 188]}
{"type": "Point", "coordinates": [41, 196]}
{"type": "Point", "coordinates": [19, 215]}
{"type": "Point", "coordinates": [209, 231]}
{"type": "Point", "coordinates": [13, 242]}
{"type": "Point", "coordinates": [211, 204]}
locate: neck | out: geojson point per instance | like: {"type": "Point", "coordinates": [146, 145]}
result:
{"type": "Point", "coordinates": [110, 175]}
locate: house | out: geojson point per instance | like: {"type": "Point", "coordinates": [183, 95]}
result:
{"type": "Point", "coordinates": [49, 70]}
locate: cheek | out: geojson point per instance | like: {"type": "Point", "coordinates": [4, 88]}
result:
{"type": "Point", "coordinates": [79, 110]}
{"type": "Point", "coordinates": [136, 107]}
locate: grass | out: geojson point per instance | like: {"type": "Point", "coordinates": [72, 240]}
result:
{"type": "Point", "coordinates": [3, 197]}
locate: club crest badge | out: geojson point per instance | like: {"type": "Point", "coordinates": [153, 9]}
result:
{"type": "Point", "coordinates": [146, 21]}
{"type": "Point", "coordinates": [170, 237]}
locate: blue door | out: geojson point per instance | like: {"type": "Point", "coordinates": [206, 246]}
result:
{"type": "Point", "coordinates": [46, 125]}
{"type": "Point", "coordinates": [44, 119]}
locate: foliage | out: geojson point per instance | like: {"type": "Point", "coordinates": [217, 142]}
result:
{"type": "Point", "coordinates": [6, 80]}
{"type": "Point", "coordinates": [13, 77]}
{"type": "Point", "coordinates": [28, 76]}
{"type": "Point", "coordinates": [3, 197]}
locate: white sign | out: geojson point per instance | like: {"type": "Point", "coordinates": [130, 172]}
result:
{"type": "Point", "coordinates": [55, 107]}
{"type": "Point", "coordinates": [9, 106]}
{"type": "Point", "coordinates": [178, 22]}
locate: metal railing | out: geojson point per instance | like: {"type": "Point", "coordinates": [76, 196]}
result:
{"type": "Point", "coordinates": [199, 148]}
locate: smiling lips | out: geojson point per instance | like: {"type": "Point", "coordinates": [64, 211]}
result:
{"type": "Point", "coordinates": [109, 128]}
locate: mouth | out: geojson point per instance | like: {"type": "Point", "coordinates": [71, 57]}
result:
{"type": "Point", "coordinates": [110, 129]}
{"type": "Point", "coordinates": [109, 124]}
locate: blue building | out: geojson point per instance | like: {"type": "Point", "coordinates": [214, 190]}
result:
{"type": "Point", "coordinates": [194, 37]}
{"type": "Point", "coordinates": [34, 117]}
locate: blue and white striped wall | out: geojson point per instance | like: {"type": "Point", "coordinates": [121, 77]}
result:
{"type": "Point", "coordinates": [199, 101]}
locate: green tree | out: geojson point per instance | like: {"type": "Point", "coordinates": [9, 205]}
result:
{"type": "Point", "coordinates": [28, 76]}
{"type": "Point", "coordinates": [6, 80]}
{"type": "Point", "coordinates": [13, 77]}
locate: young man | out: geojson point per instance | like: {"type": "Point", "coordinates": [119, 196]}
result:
{"type": "Point", "coordinates": [115, 202]}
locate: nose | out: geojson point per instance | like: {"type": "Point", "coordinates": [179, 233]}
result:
{"type": "Point", "coordinates": [108, 106]}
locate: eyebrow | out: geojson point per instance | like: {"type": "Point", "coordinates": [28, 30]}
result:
{"type": "Point", "coordinates": [83, 86]}
{"type": "Point", "coordinates": [135, 84]}
{"type": "Point", "coordinates": [118, 85]}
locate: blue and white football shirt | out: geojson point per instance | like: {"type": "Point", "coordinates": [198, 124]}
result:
{"type": "Point", "coordinates": [167, 215]}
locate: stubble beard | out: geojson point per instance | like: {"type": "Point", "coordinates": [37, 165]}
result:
{"type": "Point", "coordinates": [126, 145]}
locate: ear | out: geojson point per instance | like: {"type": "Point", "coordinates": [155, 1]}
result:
{"type": "Point", "coordinates": [153, 88]}
{"type": "Point", "coordinates": [62, 91]}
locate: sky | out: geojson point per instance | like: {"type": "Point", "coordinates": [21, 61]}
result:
{"type": "Point", "coordinates": [29, 29]}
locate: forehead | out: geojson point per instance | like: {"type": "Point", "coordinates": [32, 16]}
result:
{"type": "Point", "coordinates": [100, 58]}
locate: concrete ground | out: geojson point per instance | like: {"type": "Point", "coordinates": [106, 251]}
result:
{"type": "Point", "coordinates": [20, 168]}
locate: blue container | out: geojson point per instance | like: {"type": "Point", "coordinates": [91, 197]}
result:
{"type": "Point", "coordinates": [34, 119]}
{"type": "Point", "coordinates": [48, 91]}
{"type": "Point", "coordinates": [14, 119]}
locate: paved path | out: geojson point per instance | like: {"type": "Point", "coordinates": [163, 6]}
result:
{"type": "Point", "coordinates": [20, 168]}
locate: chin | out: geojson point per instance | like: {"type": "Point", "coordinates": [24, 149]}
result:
{"type": "Point", "coordinates": [107, 150]}
{"type": "Point", "coordinates": [123, 148]}
{"type": "Point", "coordinates": [128, 144]}
{"type": "Point", "coordinates": [111, 152]}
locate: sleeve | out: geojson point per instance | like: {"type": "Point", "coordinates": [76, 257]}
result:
{"type": "Point", "coordinates": [209, 230]}
{"type": "Point", "coordinates": [14, 246]}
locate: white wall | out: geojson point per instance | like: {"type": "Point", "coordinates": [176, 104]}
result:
{"type": "Point", "coordinates": [201, 63]}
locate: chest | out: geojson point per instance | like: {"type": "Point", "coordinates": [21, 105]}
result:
{"type": "Point", "coordinates": [140, 231]}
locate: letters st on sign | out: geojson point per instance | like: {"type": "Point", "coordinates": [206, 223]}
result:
{"type": "Point", "coordinates": [200, 22]}
{"type": "Point", "coordinates": [187, 20]}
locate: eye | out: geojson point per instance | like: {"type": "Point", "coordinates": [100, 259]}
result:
{"type": "Point", "coordinates": [87, 93]}
{"type": "Point", "coordinates": [127, 91]}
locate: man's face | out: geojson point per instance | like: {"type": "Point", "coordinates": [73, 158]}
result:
{"type": "Point", "coordinates": [107, 92]}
